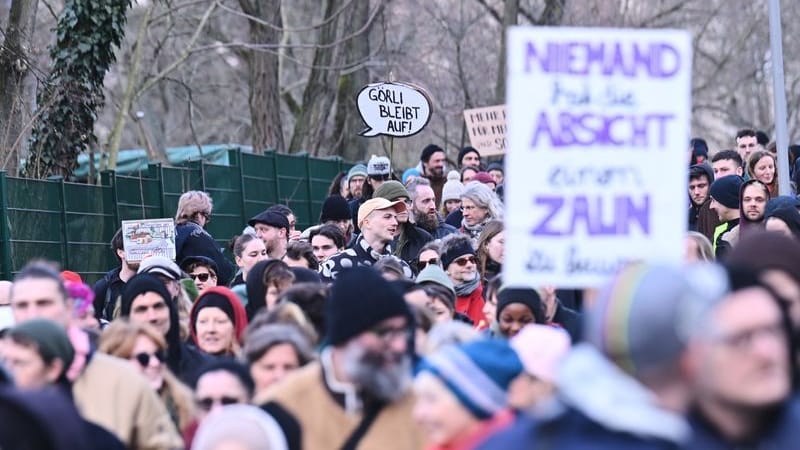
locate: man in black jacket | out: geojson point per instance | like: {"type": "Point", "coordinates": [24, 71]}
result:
{"type": "Point", "coordinates": [108, 289]}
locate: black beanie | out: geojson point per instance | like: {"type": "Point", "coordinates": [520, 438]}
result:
{"type": "Point", "coordinates": [360, 299]}
{"type": "Point", "coordinates": [725, 190]}
{"type": "Point", "coordinates": [213, 300]}
{"type": "Point", "coordinates": [453, 253]}
{"type": "Point", "coordinates": [527, 296]}
{"type": "Point", "coordinates": [463, 152]}
{"type": "Point", "coordinates": [429, 150]}
{"type": "Point", "coordinates": [334, 208]}
{"type": "Point", "coordinates": [140, 284]}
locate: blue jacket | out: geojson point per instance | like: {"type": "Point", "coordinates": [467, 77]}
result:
{"type": "Point", "coordinates": [784, 432]}
{"type": "Point", "coordinates": [601, 408]}
{"type": "Point", "coordinates": [192, 240]}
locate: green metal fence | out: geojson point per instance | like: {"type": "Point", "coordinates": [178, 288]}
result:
{"type": "Point", "coordinates": [73, 223]}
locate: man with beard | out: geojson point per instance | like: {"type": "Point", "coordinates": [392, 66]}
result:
{"type": "Point", "coordinates": [357, 395]}
{"type": "Point", "coordinates": [432, 161]}
{"type": "Point", "coordinates": [743, 384]}
{"type": "Point", "coordinates": [725, 202]}
{"type": "Point", "coordinates": [753, 200]}
{"type": "Point", "coordinates": [423, 207]}
{"type": "Point", "coordinates": [272, 228]}
{"type": "Point", "coordinates": [377, 218]}
{"type": "Point", "coordinates": [108, 289]}
{"type": "Point", "coordinates": [700, 178]}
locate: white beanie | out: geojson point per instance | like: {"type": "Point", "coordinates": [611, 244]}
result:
{"type": "Point", "coordinates": [452, 188]}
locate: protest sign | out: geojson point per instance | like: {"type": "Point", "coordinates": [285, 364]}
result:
{"type": "Point", "coordinates": [598, 125]}
{"type": "Point", "coordinates": [487, 129]}
{"type": "Point", "coordinates": [148, 237]}
{"type": "Point", "coordinates": [393, 109]}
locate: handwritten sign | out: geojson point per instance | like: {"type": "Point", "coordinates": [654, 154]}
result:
{"type": "Point", "coordinates": [393, 109]}
{"type": "Point", "coordinates": [487, 129]}
{"type": "Point", "coordinates": [148, 237]}
{"type": "Point", "coordinates": [598, 122]}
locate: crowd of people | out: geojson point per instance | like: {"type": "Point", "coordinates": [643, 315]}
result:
{"type": "Point", "coordinates": [387, 325]}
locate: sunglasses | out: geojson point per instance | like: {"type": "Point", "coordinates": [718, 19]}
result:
{"type": "Point", "coordinates": [203, 277]}
{"type": "Point", "coordinates": [144, 358]}
{"type": "Point", "coordinates": [463, 261]}
{"type": "Point", "coordinates": [207, 403]}
{"type": "Point", "coordinates": [424, 264]}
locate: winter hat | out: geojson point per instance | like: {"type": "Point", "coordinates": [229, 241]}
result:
{"type": "Point", "coordinates": [428, 151]}
{"type": "Point", "coordinates": [204, 260]}
{"type": "Point", "coordinates": [541, 348]}
{"type": "Point", "coordinates": [140, 284]}
{"type": "Point", "coordinates": [360, 299]}
{"type": "Point", "coordinates": [781, 201]}
{"type": "Point", "coordinates": [68, 275]}
{"type": "Point", "coordinates": [412, 172]}
{"type": "Point", "coordinates": [271, 218]}
{"type": "Point", "coordinates": [483, 178]}
{"type": "Point", "coordinates": [161, 265]}
{"type": "Point", "coordinates": [478, 373]}
{"type": "Point", "coordinates": [245, 425]}
{"type": "Point", "coordinates": [725, 190]}
{"type": "Point", "coordinates": [762, 250]}
{"type": "Point", "coordinates": [495, 166]}
{"type": "Point", "coordinates": [435, 274]}
{"type": "Point", "coordinates": [643, 318]}
{"type": "Point", "coordinates": [790, 216]}
{"type": "Point", "coordinates": [391, 190]}
{"type": "Point", "coordinates": [524, 295]}
{"type": "Point", "coordinates": [699, 148]}
{"type": "Point", "coordinates": [81, 294]}
{"type": "Point", "coordinates": [377, 203]}
{"type": "Point", "coordinates": [379, 165]}
{"type": "Point", "coordinates": [452, 187]}
{"type": "Point", "coordinates": [359, 170]}
{"type": "Point", "coordinates": [224, 299]}
{"type": "Point", "coordinates": [452, 253]}
{"type": "Point", "coordinates": [334, 208]}
{"type": "Point", "coordinates": [303, 275]}
{"type": "Point", "coordinates": [51, 340]}
{"type": "Point", "coordinates": [464, 151]}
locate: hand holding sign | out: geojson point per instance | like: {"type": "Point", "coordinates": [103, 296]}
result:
{"type": "Point", "coordinates": [393, 109]}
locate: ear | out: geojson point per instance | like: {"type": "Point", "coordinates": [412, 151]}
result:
{"type": "Point", "coordinates": [54, 370]}
{"type": "Point", "coordinates": [121, 254]}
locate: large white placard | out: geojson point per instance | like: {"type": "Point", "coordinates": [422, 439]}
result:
{"type": "Point", "coordinates": [598, 126]}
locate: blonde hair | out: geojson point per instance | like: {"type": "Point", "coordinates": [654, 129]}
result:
{"type": "Point", "coordinates": [119, 338]}
{"type": "Point", "coordinates": [705, 251]}
{"type": "Point", "coordinates": [191, 204]}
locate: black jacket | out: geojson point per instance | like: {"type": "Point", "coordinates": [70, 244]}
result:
{"type": "Point", "coordinates": [192, 240]}
{"type": "Point", "coordinates": [106, 292]}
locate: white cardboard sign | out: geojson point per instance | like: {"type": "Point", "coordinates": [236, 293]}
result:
{"type": "Point", "coordinates": [148, 237]}
{"type": "Point", "coordinates": [598, 121]}
{"type": "Point", "coordinates": [393, 109]}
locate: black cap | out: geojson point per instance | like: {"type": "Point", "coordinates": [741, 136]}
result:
{"type": "Point", "coordinates": [270, 218]}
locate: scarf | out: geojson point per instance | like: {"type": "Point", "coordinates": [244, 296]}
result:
{"type": "Point", "coordinates": [465, 289]}
{"type": "Point", "coordinates": [474, 231]}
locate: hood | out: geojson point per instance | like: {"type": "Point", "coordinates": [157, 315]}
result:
{"type": "Point", "coordinates": [591, 384]}
{"type": "Point", "coordinates": [239, 314]}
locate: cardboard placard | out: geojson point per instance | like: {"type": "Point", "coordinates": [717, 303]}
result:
{"type": "Point", "coordinates": [148, 237]}
{"type": "Point", "coordinates": [598, 121]}
{"type": "Point", "coordinates": [393, 109]}
{"type": "Point", "coordinates": [487, 129]}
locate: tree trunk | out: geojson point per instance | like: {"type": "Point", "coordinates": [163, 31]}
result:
{"type": "Point", "coordinates": [320, 90]}
{"type": "Point", "coordinates": [264, 99]}
{"type": "Point", "coordinates": [348, 123]}
{"type": "Point", "coordinates": [510, 12]}
{"type": "Point", "coordinates": [14, 70]}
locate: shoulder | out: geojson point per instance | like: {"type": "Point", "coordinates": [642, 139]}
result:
{"type": "Point", "coordinates": [295, 387]}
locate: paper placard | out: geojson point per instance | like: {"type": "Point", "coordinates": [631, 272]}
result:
{"type": "Point", "coordinates": [148, 237]}
{"type": "Point", "coordinates": [486, 128]}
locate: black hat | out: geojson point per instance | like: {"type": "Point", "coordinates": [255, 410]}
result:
{"type": "Point", "coordinates": [360, 299]}
{"type": "Point", "coordinates": [726, 191]}
{"type": "Point", "coordinates": [203, 260]}
{"type": "Point", "coordinates": [428, 151]}
{"type": "Point", "coordinates": [335, 208]}
{"type": "Point", "coordinates": [303, 275]}
{"type": "Point", "coordinates": [495, 166]}
{"type": "Point", "coordinates": [526, 296]}
{"type": "Point", "coordinates": [453, 253]}
{"type": "Point", "coordinates": [270, 218]}
{"type": "Point", "coordinates": [463, 152]}
{"type": "Point", "coordinates": [140, 284]}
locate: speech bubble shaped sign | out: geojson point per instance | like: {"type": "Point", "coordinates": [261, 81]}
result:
{"type": "Point", "coordinates": [393, 109]}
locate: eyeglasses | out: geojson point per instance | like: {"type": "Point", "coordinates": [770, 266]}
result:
{"type": "Point", "coordinates": [464, 260]}
{"type": "Point", "coordinates": [423, 264]}
{"type": "Point", "coordinates": [203, 277]}
{"type": "Point", "coordinates": [207, 403]}
{"type": "Point", "coordinates": [144, 358]}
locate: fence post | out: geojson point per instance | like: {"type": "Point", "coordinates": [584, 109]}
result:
{"type": "Point", "coordinates": [237, 159]}
{"type": "Point", "coordinates": [64, 234]}
{"type": "Point", "coordinates": [275, 172]}
{"type": "Point", "coordinates": [109, 177]}
{"type": "Point", "coordinates": [158, 170]}
{"type": "Point", "coordinates": [8, 269]}
{"type": "Point", "coordinates": [310, 184]}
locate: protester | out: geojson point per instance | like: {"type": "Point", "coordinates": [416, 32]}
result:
{"type": "Point", "coordinates": [377, 219]}
{"type": "Point", "coordinates": [517, 307]}
{"type": "Point", "coordinates": [541, 349]}
{"type": "Point", "coordinates": [272, 228]}
{"type": "Point", "coordinates": [490, 250]}
{"type": "Point", "coordinates": [784, 220]}
{"type": "Point", "coordinates": [269, 278]}
{"type": "Point", "coordinates": [747, 143]}
{"type": "Point", "coordinates": [390, 268]}
{"type": "Point", "coordinates": [699, 151]}
{"type": "Point", "coordinates": [468, 174]}
{"type": "Point", "coordinates": [479, 205]}
{"type": "Point", "coordinates": [274, 351]}
{"type": "Point", "coordinates": [108, 288]}
{"type": "Point", "coordinates": [432, 161]}
{"type": "Point", "coordinates": [486, 179]}
{"type": "Point", "coordinates": [355, 181]}
{"type": "Point", "coordinates": [409, 238]}
{"type": "Point", "coordinates": [556, 314]}
{"type": "Point", "coordinates": [462, 393]}
{"type": "Point", "coordinates": [469, 157]}
{"type": "Point", "coordinates": [218, 322]}
{"type": "Point", "coordinates": [248, 249]}
{"type": "Point", "coordinates": [725, 202]}
{"type": "Point", "coordinates": [491, 288]}
{"type": "Point", "coordinates": [146, 349]}
{"type": "Point", "coordinates": [458, 261]}
{"type": "Point", "coordinates": [339, 186]}
{"type": "Point", "coordinates": [701, 217]}
{"type": "Point", "coordinates": [221, 383]}
{"type": "Point", "coordinates": [172, 277]}
{"type": "Point", "coordinates": [135, 416]}
{"type": "Point", "coordinates": [240, 427]}
{"type": "Point", "coordinates": [451, 194]}
{"type": "Point", "coordinates": [423, 208]}
{"type": "Point", "coordinates": [191, 238]}
{"type": "Point", "coordinates": [83, 308]}
{"type": "Point", "coordinates": [628, 386]}
{"type": "Point", "coordinates": [38, 353]}
{"type": "Point", "coordinates": [326, 241]}
{"type": "Point", "coordinates": [698, 248]}
{"type": "Point", "coordinates": [379, 170]}
{"type": "Point", "coordinates": [410, 175]}
{"type": "Point", "coordinates": [336, 212]}
{"type": "Point", "coordinates": [428, 255]}
{"type": "Point", "coordinates": [497, 173]}
{"type": "Point", "coordinates": [292, 233]}
{"type": "Point", "coordinates": [301, 254]}
{"type": "Point", "coordinates": [753, 197]}
{"type": "Point", "coordinates": [762, 166]}
{"type": "Point", "coordinates": [363, 374]}
{"type": "Point", "coordinates": [727, 162]}
{"type": "Point", "coordinates": [202, 270]}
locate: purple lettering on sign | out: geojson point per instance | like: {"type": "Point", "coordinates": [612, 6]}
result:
{"type": "Point", "coordinates": [589, 129]}
{"type": "Point", "coordinates": [628, 59]}
{"type": "Point", "coordinates": [589, 213]}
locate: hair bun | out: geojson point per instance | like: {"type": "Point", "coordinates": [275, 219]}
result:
{"type": "Point", "coordinates": [453, 175]}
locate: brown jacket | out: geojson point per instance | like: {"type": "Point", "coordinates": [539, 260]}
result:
{"type": "Point", "coordinates": [110, 393]}
{"type": "Point", "coordinates": [324, 424]}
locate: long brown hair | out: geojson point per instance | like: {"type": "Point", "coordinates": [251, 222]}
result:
{"type": "Point", "coordinates": [490, 230]}
{"type": "Point", "coordinates": [755, 157]}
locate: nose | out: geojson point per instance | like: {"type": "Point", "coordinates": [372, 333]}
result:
{"type": "Point", "coordinates": [398, 343]}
